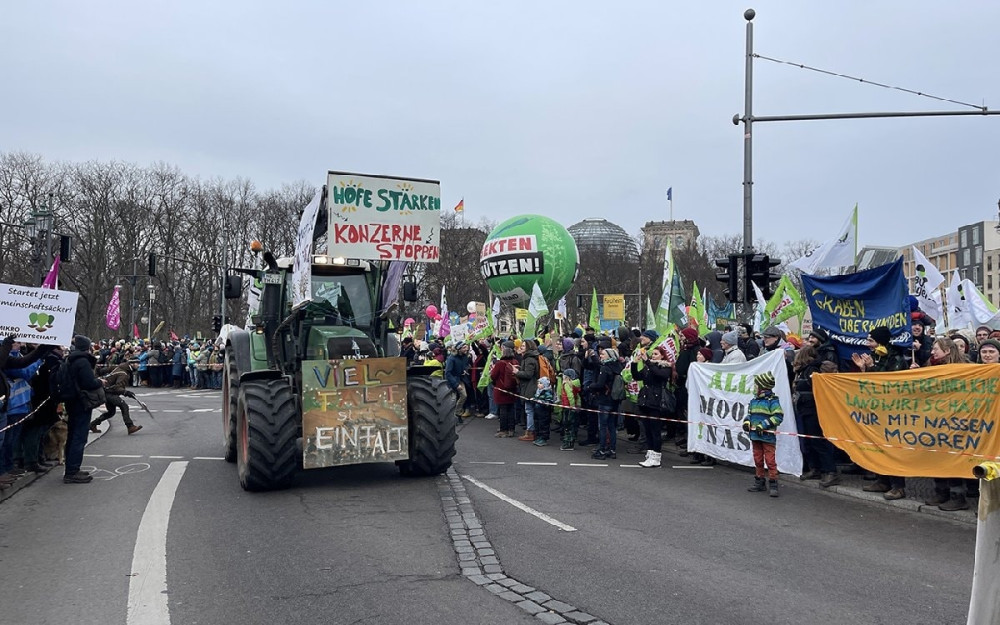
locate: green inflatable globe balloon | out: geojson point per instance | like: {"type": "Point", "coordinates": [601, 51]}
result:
{"type": "Point", "coordinates": [528, 249]}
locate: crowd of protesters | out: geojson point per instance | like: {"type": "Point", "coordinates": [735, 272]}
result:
{"type": "Point", "coordinates": [29, 410]}
{"type": "Point", "coordinates": [572, 394]}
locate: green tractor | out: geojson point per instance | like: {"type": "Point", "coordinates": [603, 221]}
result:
{"type": "Point", "coordinates": [322, 384]}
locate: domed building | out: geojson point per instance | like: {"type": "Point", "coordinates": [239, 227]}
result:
{"type": "Point", "coordinates": [600, 235]}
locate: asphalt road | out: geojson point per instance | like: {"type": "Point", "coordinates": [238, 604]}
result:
{"type": "Point", "coordinates": [362, 545]}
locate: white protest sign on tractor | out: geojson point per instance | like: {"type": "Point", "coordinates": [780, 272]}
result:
{"type": "Point", "coordinates": [36, 315]}
{"type": "Point", "coordinates": [384, 218]}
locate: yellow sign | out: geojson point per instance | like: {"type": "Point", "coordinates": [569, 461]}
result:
{"type": "Point", "coordinates": [614, 308]}
{"type": "Point", "coordinates": [931, 422]}
{"type": "Point", "coordinates": [521, 314]}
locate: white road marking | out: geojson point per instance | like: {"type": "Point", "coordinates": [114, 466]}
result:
{"type": "Point", "coordinates": [93, 455]}
{"type": "Point", "coordinates": [207, 458]}
{"type": "Point", "coordinates": [689, 466]}
{"type": "Point", "coordinates": [586, 464]}
{"type": "Point", "coordinates": [147, 584]}
{"type": "Point", "coordinates": [167, 457]}
{"type": "Point", "coordinates": [517, 504]}
{"type": "Point", "coordinates": [123, 456]}
{"type": "Point", "coordinates": [538, 464]}
{"type": "Point", "coordinates": [173, 411]}
{"type": "Point", "coordinates": [205, 410]}
{"type": "Point", "coordinates": [484, 462]}
{"type": "Point", "coordinates": [630, 466]}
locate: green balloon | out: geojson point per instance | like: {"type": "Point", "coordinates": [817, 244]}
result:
{"type": "Point", "coordinates": [528, 249]}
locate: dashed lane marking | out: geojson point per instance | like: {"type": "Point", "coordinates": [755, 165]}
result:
{"type": "Point", "coordinates": [538, 464]}
{"type": "Point", "coordinates": [123, 456]}
{"type": "Point", "coordinates": [207, 458]}
{"type": "Point", "coordinates": [690, 466]}
{"type": "Point", "coordinates": [166, 457]}
{"type": "Point", "coordinates": [587, 464]}
{"type": "Point", "coordinates": [485, 462]}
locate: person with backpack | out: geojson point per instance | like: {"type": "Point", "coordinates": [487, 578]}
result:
{"type": "Point", "coordinates": [116, 385]}
{"type": "Point", "coordinates": [603, 391]}
{"type": "Point", "coordinates": [80, 371]}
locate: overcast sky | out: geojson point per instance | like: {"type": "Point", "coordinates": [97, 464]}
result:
{"type": "Point", "coordinates": [569, 109]}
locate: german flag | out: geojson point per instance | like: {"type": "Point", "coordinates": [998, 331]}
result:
{"type": "Point", "coordinates": [460, 207]}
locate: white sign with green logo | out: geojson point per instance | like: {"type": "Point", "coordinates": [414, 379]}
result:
{"type": "Point", "coordinates": [36, 315]}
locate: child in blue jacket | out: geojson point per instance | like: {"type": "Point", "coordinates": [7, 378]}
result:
{"type": "Point", "coordinates": [764, 415]}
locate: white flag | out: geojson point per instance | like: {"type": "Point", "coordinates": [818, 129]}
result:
{"type": "Point", "coordinates": [496, 307]}
{"type": "Point", "coordinates": [561, 308]}
{"type": "Point", "coordinates": [537, 306]}
{"type": "Point", "coordinates": [926, 280]}
{"type": "Point", "coordinates": [758, 317]}
{"type": "Point", "coordinates": [958, 307]}
{"type": "Point", "coordinates": [981, 311]}
{"type": "Point", "coordinates": [838, 252]}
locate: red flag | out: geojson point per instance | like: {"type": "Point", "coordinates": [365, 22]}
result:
{"type": "Point", "coordinates": [173, 336]}
{"type": "Point", "coordinates": [135, 330]}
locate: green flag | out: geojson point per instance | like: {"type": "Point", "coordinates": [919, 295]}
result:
{"type": "Point", "coordinates": [697, 310]}
{"type": "Point", "coordinates": [664, 317]}
{"type": "Point", "coordinates": [650, 316]}
{"type": "Point", "coordinates": [784, 304]}
{"type": "Point", "coordinates": [595, 319]}
{"type": "Point", "coordinates": [484, 377]}
{"type": "Point", "coordinates": [482, 331]}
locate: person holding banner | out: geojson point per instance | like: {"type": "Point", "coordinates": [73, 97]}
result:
{"type": "Point", "coordinates": [655, 373]}
{"type": "Point", "coordinates": [764, 415]}
{"type": "Point", "coordinates": [883, 357]}
{"type": "Point", "coordinates": [950, 493]}
{"type": "Point", "coordinates": [819, 454]}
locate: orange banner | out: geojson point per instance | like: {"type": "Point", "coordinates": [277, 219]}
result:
{"type": "Point", "coordinates": [930, 422]}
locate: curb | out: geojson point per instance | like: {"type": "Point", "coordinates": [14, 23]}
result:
{"type": "Point", "coordinates": [28, 479]}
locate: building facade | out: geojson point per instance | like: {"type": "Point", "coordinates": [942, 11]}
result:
{"type": "Point", "coordinates": [680, 233]}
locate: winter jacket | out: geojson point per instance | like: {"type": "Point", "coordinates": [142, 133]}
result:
{"type": "Point", "coordinates": [684, 361]}
{"type": "Point", "coordinates": [178, 362]}
{"type": "Point", "coordinates": [19, 400]}
{"type": "Point", "coordinates": [503, 379]}
{"type": "Point", "coordinates": [569, 393]}
{"type": "Point", "coordinates": [527, 376]}
{"type": "Point", "coordinates": [144, 361]}
{"type": "Point", "coordinates": [117, 381]}
{"type": "Point", "coordinates": [601, 387]}
{"type": "Point", "coordinates": [543, 401]}
{"type": "Point", "coordinates": [714, 340]}
{"type": "Point", "coordinates": [734, 354]}
{"type": "Point", "coordinates": [764, 411]}
{"type": "Point", "coordinates": [15, 362]}
{"type": "Point", "coordinates": [570, 360]}
{"type": "Point", "coordinates": [454, 370]}
{"type": "Point", "coordinates": [656, 377]}
{"type": "Point", "coordinates": [893, 361]}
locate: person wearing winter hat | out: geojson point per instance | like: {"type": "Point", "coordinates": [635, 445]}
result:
{"type": "Point", "coordinates": [746, 341]}
{"type": "Point", "coordinates": [80, 363]}
{"type": "Point", "coordinates": [648, 337]}
{"type": "Point", "coordinates": [820, 339]}
{"type": "Point", "coordinates": [730, 345]}
{"type": "Point", "coordinates": [569, 400]}
{"type": "Point", "coordinates": [690, 344]}
{"type": "Point", "coordinates": [982, 333]}
{"type": "Point", "coordinates": [543, 411]}
{"type": "Point", "coordinates": [764, 415]}
{"type": "Point", "coordinates": [656, 374]}
{"type": "Point", "coordinates": [989, 352]}
{"type": "Point", "coordinates": [704, 355]}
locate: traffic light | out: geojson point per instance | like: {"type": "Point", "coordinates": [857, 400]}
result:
{"type": "Point", "coordinates": [729, 274]}
{"type": "Point", "coordinates": [152, 264]}
{"type": "Point", "coordinates": [759, 272]}
{"type": "Point", "coordinates": [65, 248]}
{"type": "Point", "coordinates": [217, 323]}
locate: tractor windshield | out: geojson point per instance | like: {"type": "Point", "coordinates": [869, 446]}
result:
{"type": "Point", "coordinates": [345, 298]}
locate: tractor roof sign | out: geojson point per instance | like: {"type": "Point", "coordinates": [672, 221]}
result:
{"type": "Point", "coordinates": [383, 218]}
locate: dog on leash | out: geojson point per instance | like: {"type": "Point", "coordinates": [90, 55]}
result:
{"type": "Point", "coordinates": [54, 447]}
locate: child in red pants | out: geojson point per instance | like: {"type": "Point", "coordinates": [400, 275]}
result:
{"type": "Point", "coordinates": [763, 418]}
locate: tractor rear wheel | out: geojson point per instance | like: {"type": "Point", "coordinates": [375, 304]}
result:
{"type": "Point", "coordinates": [431, 410]}
{"type": "Point", "coordinates": [267, 432]}
{"type": "Point", "coordinates": [230, 395]}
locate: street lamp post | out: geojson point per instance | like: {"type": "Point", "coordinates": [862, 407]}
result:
{"type": "Point", "coordinates": [40, 224]}
{"type": "Point", "coordinates": [149, 322]}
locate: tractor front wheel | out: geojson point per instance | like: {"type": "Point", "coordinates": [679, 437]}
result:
{"type": "Point", "coordinates": [432, 434]}
{"type": "Point", "coordinates": [230, 394]}
{"type": "Point", "coordinates": [267, 431]}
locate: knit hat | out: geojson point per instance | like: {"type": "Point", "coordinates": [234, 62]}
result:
{"type": "Point", "coordinates": [794, 340]}
{"type": "Point", "coordinates": [821, 335]}
{"type": "Point", "coordinates": [82, 343]}
{"type": "Point", "coordinates": [544, 382]}
{"type": "Point", "coordinates": [518, 343]}
{"type": "Point", "coordinates": [730, 338]}
{"type": "Point", "coordinates": [570, 373]}
{"type": "Point", "coordinates": [690, 336]}
{"type": "Point", "coordinates": [706, 353]}
{"type": "Point", "coordinates": [917, 320]}
{"type": "Point", "coordinates": [652, 335]}
{"type": "Point", "coordinates": [992, 342]}
{"type": "Point", "coordinates": [567, 344]}
{"type": "Point", "coordinates": [881, 335]}
{"type": "Point", "coordinates": [764, 381]}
